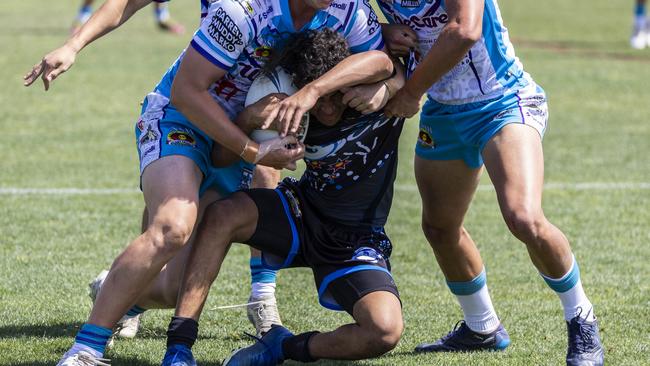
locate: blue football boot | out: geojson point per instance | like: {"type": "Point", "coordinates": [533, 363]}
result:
{"type": "Point", "coordinates": [178, 355]}
{"type": "Point", "coordinates": [463, 339]}
{"type": "Point", "coordinates": [267, 351]}
{"type": "Point", "coordinates": [584, 347]}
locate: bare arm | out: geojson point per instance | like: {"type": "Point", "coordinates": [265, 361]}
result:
{"type": "Point", "coordinates": [361, 68]}
{"type": "Point", "coordinates": [109, 16]}
{"type": "Point", "coordinates": [459, 35]}
{"type": "Point", "coordinates": [191, 96]}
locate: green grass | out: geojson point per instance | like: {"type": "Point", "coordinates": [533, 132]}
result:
{"type": "Point", "coordinates": [80, 134]}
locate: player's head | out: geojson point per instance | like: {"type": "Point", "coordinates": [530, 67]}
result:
{"type": "Point", "coordinates": [309, 55]}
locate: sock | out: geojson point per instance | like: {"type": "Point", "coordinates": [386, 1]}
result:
{"type": "Point", "coordinates": [297, 347]}
{"type": "Point", "coordinates": [84, 13]}
{"type": "Point", "coordinates": [262, 279]}
{"type": "Point", "coordinates": [182, 331]}
{"type": "Point", "coordinates": [135, 310]}
{"type": "Point", "coordinates": [94, 337]}
{"type": "Point", "coordinates": [475, 301]}
{"type": "Point", "coordinates": [161, 13]}
{"type": "Point", "coordinates": [639, 16]}
{"type": "Point", "coordinates": [569, 289]}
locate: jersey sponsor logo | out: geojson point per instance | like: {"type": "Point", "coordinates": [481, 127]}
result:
{"type": "Point", "coordinates": [178, 137]}
{"type": "Point", "coordinates": [265, 14]}
{"type": "Point", "coordinates": [148, 136]}
{"type": "Point", "coordinates": [426, 22]}
{"type": "Point", "coordinates": [339, 6]}
{"type": "Point", "coordinates": [425, 139]}
{"type": "Point", "coordinates": [225, 31]}
{"type": "Point", "coordinates": [410, 3]}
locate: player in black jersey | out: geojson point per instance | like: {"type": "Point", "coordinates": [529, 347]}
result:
{"type": "Point", "coordinates": [330, 220]}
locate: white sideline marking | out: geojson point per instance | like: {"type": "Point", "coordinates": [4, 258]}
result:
{"type": "Point", "coordinates": [586, 186]}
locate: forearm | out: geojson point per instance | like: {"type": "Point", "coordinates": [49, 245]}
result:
{"type": "Point", "coordinates": [109, 16]}
{"type": "Point", "coordinates": [398, 80]}
{"type": "Point", "coordinates": [361, 68]}
{"type": "Point", "coordinates": [204, 112]}
{"type": "Point", "coordinates": [222, 157]}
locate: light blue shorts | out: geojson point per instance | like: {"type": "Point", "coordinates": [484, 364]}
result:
{"type": "Point", "coordinates": [162, 131]}
{"type": "Point", "coordinates": [460, 132]}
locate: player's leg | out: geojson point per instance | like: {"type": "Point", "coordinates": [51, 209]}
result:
{"type": "Point", "coordinates": [514, 159]}
{"type": "Point", "coordinates": [262, 310]}
{"type": "Point", "coordinates": [447, 174]}
{"type": "Point", "coordinates": [172, 202]}
{"type": "Point", "coordinates": [225, 221]}
{"type": "Point", "coordinates": [164, 19]}
{"type": "Point", "coordinates": [447, 188]}
{"type": "Point", "coordinates": [640, 36]}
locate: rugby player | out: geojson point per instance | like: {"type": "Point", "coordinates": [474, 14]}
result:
{"type": "Point", "coordinates": [161, 14]}
{"type": "Point", "coordinates": [482, 108]}
{"type": "Point", "coordinates": [641, 32]}
{"type": "Point", "coordinates": [228, 51]}
{"type": "Point", "coordinates": [330, 221]}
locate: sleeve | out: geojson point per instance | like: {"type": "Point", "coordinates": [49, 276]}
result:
{"type": "Point", "coordinates": [223, 33]}
{"type": "Point", "coordinates": [364, 32]}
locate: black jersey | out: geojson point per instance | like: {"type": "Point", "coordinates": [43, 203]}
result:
{"type": "Point", "coordinates": [351, 168]}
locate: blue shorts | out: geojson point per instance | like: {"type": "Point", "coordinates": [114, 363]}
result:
{"type": "Point", "coordinates": [162, 131]}
{"type": "Point", "coordinates": [460, 132]}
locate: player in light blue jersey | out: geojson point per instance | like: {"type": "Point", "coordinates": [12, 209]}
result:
{"type": "Point", "coordinates": [263, 309]}
{"type": "Point", "coordinates": [481, 108]}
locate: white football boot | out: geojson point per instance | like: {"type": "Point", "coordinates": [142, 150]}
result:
{"type": "Point", "coordinates": [76, 357]}
{"type": "Point", "coordinates": [128, 326]}
{"type": "Point", "coordinates": [639, 39]}
{"type": "Point", "coordinates": [263, 313]}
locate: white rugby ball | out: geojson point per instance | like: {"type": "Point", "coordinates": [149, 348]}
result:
{"type": "Point", "coordinates": [278, 82]}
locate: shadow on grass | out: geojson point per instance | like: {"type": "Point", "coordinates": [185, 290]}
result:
{"type": "Point", "coordinates": [40, 330]}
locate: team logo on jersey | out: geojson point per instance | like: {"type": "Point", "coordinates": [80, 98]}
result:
{"type": "Point", "coordinates": [263, 52]}
{"type": "Point", "coordinates": [225, 31]}
{"type": "Point", "coordinates": [425, 139]}
{"type": "Point", "coordinates": [178, 137]}
{"type": "Point", "coordinates": [410, 3]}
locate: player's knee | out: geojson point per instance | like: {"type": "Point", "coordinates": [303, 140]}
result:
{"type": "Point", "coordinates": [441, 235]}
{"type": "Point", "coordinates": [526, 224]}
{"type": "Point", "coordinates": [383, 336]}
{"type": "Point", "coordinates": [170, 234]}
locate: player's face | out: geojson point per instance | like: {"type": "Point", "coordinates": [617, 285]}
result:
{"type": "Point", "coordinates": [329, 109]}
{"type": "Point", "coordinates": [319, 4]}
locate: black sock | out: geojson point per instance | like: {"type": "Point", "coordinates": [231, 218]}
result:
{"type": "Point", "coordinates": [297, 347]}
{"type": "Point", "coordinates": [182, 331]}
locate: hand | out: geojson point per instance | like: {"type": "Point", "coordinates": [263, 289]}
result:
{"type": "Point", "coordinates": [53, 64]}
{"type": "Point", "coordinates": [281, 152]}
{"type": "Point", "coordinates": [367, 98]}
{"type": "Point", "coordinates": [399, 39]}
{"type": "Point", "coordinates": [403, 104]}
{"type": "Point", "coordinates": [289, 112]}
{"type": "Point", "coordinates": [258, 112]}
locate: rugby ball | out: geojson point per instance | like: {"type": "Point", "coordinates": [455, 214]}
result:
{"type": "Point", "coordinates": [279, 81]}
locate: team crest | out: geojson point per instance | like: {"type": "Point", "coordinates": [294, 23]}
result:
{"type": "Point", "coordinates": [425, 139]}
{"type": "Point", "coordinates": [177, 137]}
{"type": "Point", "coordinates": [263, 52]}
{"type": "Point", "coordinates": [149, 136]}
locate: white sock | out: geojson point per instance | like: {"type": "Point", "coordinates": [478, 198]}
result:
{"type": "Point", "coordinates": [479, 312]}
{"type": "Point", "coordinates": [574, 300]}
{"type": "Point", "coordinates": [262, 289]}
{"type": "Point", "coordinates": [639, 22]}
{"type": "Point", "coordinates": [76, 347]}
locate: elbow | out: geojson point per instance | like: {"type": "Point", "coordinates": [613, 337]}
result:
{"type": "Point", "coordinates": [469, 34]}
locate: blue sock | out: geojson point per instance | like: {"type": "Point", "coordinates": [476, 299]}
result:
{"type": "Point", "coordinates": [135, 310]}
{"type": "Point", "coordinates": [468, 287]}
{"type": "Point", "coordinates": [639, 10]}
{"type": "Point", "coordinates": [94, 337]}
{"type": "Point", "coordinates": [259, 273]}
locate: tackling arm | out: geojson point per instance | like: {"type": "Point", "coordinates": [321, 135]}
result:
{"type": "Point", "coordinates": [109, 16]}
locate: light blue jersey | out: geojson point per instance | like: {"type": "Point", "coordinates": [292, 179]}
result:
{"type": "Point", "coordinates": [239, 36]}
{"type": "Point", "coordinates": [488, 70]}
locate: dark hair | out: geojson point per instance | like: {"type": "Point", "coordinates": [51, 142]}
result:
{"type": "Point", "coordinates": [309, 54]}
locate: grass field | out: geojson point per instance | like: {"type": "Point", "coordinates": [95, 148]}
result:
{"type": "Point", "coordinates": [80, 135]}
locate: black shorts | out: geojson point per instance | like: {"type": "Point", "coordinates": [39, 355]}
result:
{"type": "Point", "coordinates": [348, 263]}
